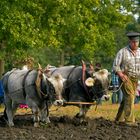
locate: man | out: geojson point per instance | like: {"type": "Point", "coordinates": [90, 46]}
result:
{"type": "Point", "coordinates": [127, 66]}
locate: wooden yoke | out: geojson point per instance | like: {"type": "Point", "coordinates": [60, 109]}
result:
{"type": "Point", "coordinates": [38, 79]}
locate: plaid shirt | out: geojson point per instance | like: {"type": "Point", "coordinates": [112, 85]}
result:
{"type": "Point", "coordinates": [114, 80]}
{"type": "Point", "coordinates": [128, 62]}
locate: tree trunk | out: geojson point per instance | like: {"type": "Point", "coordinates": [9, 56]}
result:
{"type": "Point", "coordinates": [1, 67]}
{"type": "Point", "coordinates": [62, 58]}
{"type": "Point", "coordinates": [2, 47]}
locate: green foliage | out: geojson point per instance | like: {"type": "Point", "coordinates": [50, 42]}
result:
{"type": "Point", "coordinates": [134, 26]}
{"type": "Point", "coordinates": [19, 22]}
{"type": "Point", "coordinates": [62, 32]}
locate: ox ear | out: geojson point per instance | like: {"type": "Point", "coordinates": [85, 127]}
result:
{"type": "Point", "coordinates": [89, 82]}
{"type": "Point", "coordinates": [109, 73]}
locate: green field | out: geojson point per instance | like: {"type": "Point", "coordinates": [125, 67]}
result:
{"type": "Point", "coordinates": [106, 110]}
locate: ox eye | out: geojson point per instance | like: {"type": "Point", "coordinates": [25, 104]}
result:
{"type": "Point", "coordinates": [97, 82]}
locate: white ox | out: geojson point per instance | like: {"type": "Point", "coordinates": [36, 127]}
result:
{"type": "Point", "coordinates": [33, 88]}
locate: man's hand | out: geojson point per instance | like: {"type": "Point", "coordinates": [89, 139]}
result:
{"type": "Point", "coordinates": [122, 76]}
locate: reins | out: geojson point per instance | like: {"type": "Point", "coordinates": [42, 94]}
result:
{"type": "Point", "coordinates": [118, 88]}
{"type": "Point", "coordinates": [42, 93]}
{"type": "Point", "coordinates": [112, 90]}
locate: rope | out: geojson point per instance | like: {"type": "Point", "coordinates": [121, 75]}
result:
{"type": "Point", "coordinates": [45, 95]}
{"type": "Point", "coordinates": [118, 88]}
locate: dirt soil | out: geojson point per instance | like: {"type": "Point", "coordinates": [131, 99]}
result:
{"type": "Point", "coordinates": [65, 127]}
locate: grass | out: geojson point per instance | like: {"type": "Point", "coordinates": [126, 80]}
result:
{"type": "Point", "coordinates": [106, 110]}
{"type": "Point", "coordinates": [109, 111]}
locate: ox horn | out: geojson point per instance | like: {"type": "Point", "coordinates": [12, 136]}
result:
{"type": "Point", "coordinates": [83, 65]}
{"type": "Point", "coordinates": [91, 66]}
{"type": "Point", "coordinates": [82, 62]}
{"type": "Point", "coordinates": [39, 67]}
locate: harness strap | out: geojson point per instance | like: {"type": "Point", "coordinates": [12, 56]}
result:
{"type": "Point", "coordinates": [83, 79]}
{"type": "Point", "coordinates": [23, 84]}
{"type": "Point", "coordinates": [71, 72]}
{"type": "Point", "coordinates": [38, 82]}
{"type": "Point", "coordinates": [53, 71]}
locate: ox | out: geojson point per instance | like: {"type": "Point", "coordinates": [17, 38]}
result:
{"type": "Point", "coordinates": [33, 88]}
{"type": "Point", "coordinates": [82, 86]}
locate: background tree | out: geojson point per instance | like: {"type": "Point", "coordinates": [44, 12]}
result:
{"type": "Point", "coordinates": [62, 32]}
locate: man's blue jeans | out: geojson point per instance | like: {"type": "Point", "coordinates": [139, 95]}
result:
{"type": "Point", "coordinates": [117, 97]}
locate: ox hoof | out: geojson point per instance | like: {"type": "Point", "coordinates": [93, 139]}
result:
{"type": "Point", "coordinates": [83, 122]}
{"type": "Point", "coordinates": [11, 124]}
{"type": "Point", "coordinates": [36, 124]}
{"type": "Point", "coordinates": [47, 120]}
{"type": "Point", "coordinates": [78, 116]}
{"type": "Point", "coordinates": [44, 123]}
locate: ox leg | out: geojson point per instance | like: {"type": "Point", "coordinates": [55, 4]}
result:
{"type": "Point", "coordinates": [35, 110]}
{"type": "Point", "coordinates": [14, 108]}
{"type": "Point", "coordinates": [45, 115]}
{"type": "Point", "coordinates": [36, 117]}
{"type": "Point", "coordinates": [9, 112]}
{"type": "Point", "coordinates": [82, 113]}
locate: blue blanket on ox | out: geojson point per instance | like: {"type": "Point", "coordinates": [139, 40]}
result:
{"type": "Point", "coordinates": [1, 92]}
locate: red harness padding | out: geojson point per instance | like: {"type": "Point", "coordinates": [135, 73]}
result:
{"type": "Point", "coordinates": [83, 77]}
